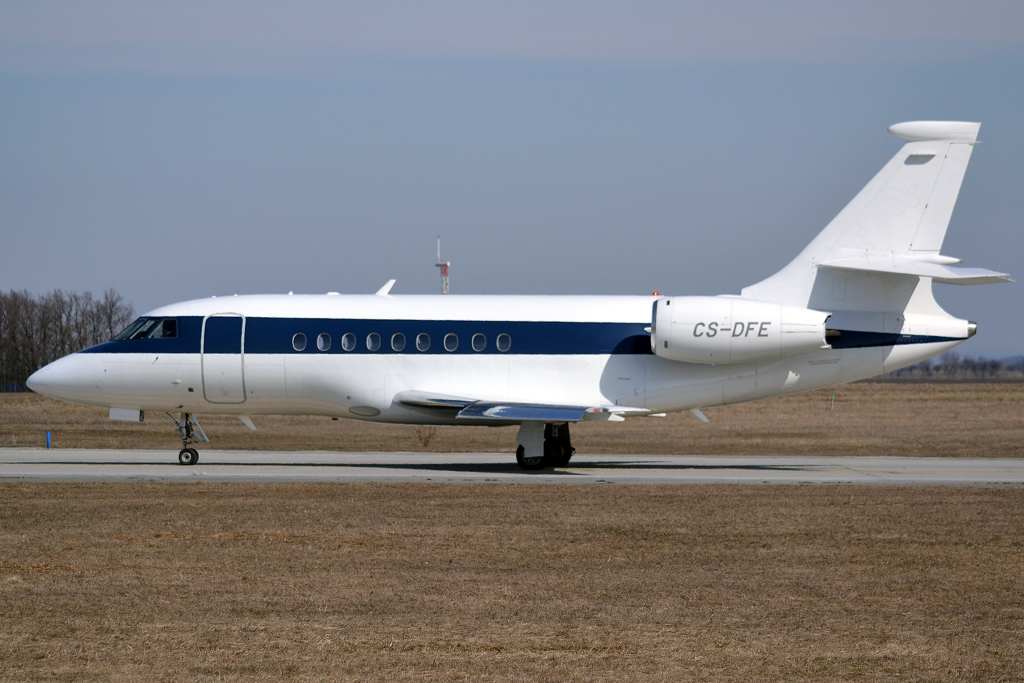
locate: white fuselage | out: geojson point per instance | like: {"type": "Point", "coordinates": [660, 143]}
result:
{"type": "Point", "coordinates": [562, 350]}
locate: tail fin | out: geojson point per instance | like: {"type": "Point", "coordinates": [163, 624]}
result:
{"type": "Point", "coordinates": [893, 228]}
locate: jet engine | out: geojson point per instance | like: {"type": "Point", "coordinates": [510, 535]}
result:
{"type": "Point", "coordinates": [723, 329]}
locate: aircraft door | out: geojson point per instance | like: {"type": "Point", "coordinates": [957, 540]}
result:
{"type": "Point", "coordinates": [222, 348]}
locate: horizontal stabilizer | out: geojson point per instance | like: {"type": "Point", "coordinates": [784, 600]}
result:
{"type": "Point", "coordinates": [905, 266]}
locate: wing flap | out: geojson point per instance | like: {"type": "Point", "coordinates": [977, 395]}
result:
{"type": "Point", "coordinates": [498, 411]}
{"type": "Point", "coordinates": [517, 412]}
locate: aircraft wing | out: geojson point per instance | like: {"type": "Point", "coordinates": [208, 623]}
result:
{"type": "Point", "coordinates": [472, 409]}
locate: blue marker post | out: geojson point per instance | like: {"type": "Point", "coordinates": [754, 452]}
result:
{"type": "Point", "coordinates": [47, 440]}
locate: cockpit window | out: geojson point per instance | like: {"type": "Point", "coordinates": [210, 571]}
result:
{"type": "Point", "coordinates": [154, 328]}
{"type": "Point", "coordinates": [146, 327]}
{"type": "Point", "coordinates": [168, 327]}
{"type": "Point", "coordinates": [127, 332]}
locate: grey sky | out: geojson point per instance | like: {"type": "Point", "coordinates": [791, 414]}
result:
{"type": "Point", "coordinates": [172, 150]}
{"type": "Point", "coordinates": [128, 35]}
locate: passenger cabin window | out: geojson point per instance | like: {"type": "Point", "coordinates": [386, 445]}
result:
{"type": "Point", "coordinates": [398, 341]}
{"type": "Point", "coordinates": [323, 342]}
{"type": "Point", "coordinates": [479, 342]}
{"type": "Point", "coordinates": [348, 341]}
{"type": "Point", "coordinates": [422, 341]}
{"type": "Point", "coordinates": [504, 342]}
{"type": "Point", "coordinates": [373, 341]}
{"type": "Point", "coordinates": [167, 328]}
{"type": "Point", "coordinates": [299, 342]}
{"type": "Point", "coordinates": [451, 342]}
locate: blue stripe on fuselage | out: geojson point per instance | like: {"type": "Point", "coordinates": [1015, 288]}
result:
{"type": "Point", "coordinates": [274, 336]}
{"type": "Point", "coordinates": [853, 339]}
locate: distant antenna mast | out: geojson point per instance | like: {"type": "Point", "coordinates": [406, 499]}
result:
{"type": "Point", "coordinates": [443, 265]}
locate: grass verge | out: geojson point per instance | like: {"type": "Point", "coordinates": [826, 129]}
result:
{"type": "Point", "coordinates": [233, 582]}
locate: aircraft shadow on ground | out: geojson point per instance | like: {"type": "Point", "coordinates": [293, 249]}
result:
{"type": "Point", "coordinates": [478, 468]}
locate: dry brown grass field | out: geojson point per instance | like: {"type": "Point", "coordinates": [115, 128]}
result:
{"type": "Point", "coordinates": [939, 419]}
{"type": "Point", "coordinates": [232, 582]}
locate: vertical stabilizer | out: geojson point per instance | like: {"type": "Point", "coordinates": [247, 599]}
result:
{"type": "Point", "coordinates": [900, 216]}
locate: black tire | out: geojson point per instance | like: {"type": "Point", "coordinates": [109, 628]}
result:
{"type": "Point", "coordinates": [554, 453]}
{"type": "Point", "coordinates": [188, 456]}
{"type": "Point", "coordinates": [558, 448]}
{"type": "Point", "coordinates": [531, 463]}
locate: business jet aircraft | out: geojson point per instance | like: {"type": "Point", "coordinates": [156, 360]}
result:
{"type": "Point", "coordinates": [856, 302]}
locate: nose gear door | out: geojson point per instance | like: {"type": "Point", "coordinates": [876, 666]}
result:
{"type": "Point", "coordinates": [222, 348]}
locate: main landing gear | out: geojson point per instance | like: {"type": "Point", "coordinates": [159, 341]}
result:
{"type": "Point", "coordinates": [555, 450]}
{"type": "Point", "coordinates": [191, 432]}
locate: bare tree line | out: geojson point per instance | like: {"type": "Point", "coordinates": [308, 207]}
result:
{"type": "Point", "coordinates": [37, 330]}
{"type": "Point", "coordinates": [951, 365]}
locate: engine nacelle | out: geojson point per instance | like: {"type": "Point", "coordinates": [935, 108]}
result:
{"type": "Point", "coordinates": [721, 329]}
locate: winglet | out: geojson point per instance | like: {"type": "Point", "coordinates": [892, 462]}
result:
{"type": "Point", "coordinates": [383, 291]}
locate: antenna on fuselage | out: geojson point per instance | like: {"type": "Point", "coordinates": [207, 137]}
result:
{"type": "Point", "coordinates": [443, 265]}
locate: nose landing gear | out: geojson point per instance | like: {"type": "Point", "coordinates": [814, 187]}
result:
{"type": "Point", "coordinates": [188, 456]}
{"type": "Point", "coordinates": [191, 432]}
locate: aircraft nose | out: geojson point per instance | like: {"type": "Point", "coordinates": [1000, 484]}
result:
{"type": "Point", "coordinates": [72, 378]}
{"type": "Point", "coordinates": [38, 380]}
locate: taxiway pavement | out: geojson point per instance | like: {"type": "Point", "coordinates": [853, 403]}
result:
{"type": "Point", "coordinates": [28, 464]}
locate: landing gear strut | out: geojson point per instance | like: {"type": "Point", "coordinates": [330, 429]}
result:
{"type": "Point", "coordinates": [191, 432]}
{"type": "Point", "coordinates": [558, 448]}
{"type": "Point", "coordinates": [556, 452]}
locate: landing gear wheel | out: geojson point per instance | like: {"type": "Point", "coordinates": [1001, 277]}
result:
{"type": "Point", "coordinates": [554, 453]}
{"type": "Point", "coordinates": [190, 432]}
{"type": "Point", "coordinates": [188, 456]}
{"type": "Point", "coordinates": [529, 463]}
{"type": "Point", "coordinates": [558, 448]}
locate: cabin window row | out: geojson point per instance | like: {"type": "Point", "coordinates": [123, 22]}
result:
{"type": "Point", "coordinates": [398, 342]}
